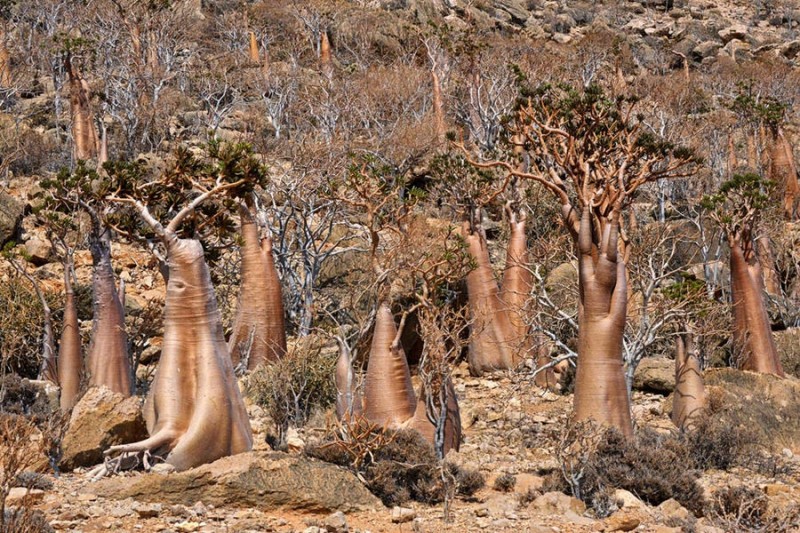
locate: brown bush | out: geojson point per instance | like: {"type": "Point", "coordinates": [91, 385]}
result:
{"type": "Point", "coordinates": [505, 482]}
{"type": "Point", "coordinates": [653, 466]}
{"type": "Point", "coordinates": [19, 451]}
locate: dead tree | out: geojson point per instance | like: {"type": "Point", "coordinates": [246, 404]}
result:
{"type": "Point", "coordinates": [592, 155]}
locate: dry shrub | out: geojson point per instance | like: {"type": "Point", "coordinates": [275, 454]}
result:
{"type": "Point", "coordinates": [291, 388]}
{"type": "Point", "coordinates": [714, 443]}
{"type": "Point", "coordinates": [396, 465]}
{"type": "Point", "coordinates": [746, 509]}
{"type": "Point", "coordinates": [21, 449]}
{"type": "Point", "coordinates": [654, 467]}
{"type": "Point", "coordinates": [505, 482]}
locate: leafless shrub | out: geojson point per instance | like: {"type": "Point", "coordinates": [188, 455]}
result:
{"type": "Point", "coordinates": [20, 450]}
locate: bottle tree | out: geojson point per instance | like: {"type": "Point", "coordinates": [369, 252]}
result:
{"type": "Point", "coordinates": [737, 208]}
{"type": "Point", "coordinates": [194, 409]}
{"type": "Point", "coordinates": [592, 154]}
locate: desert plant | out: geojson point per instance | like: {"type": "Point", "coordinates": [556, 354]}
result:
{"type": "Point", "coordinates": [505, 482]}
{"type": "Point", "coordinates": [291, 388]}
{"type": "Point", "coordinates": [19, 451]}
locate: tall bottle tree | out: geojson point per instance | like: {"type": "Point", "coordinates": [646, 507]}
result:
{"type": "Point", "coordinates": [592, 154]}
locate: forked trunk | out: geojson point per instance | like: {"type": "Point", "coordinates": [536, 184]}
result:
{"type": "Point", "coordinates": [488, 347]}
{"type": "Point", "coordinates": [389, 397]}
{"type": "Point", "coordinates": [253, 49]}
{"type": "Point", "coordinates": [70, 364]}
{"type": "Point", "coordinates": [600, 391]}
{"type": "Point", "coordinates": [689, 398]}
{"type": "Point", "coordinates": [107, 360]}
{"type": "Point", "coordinates": [259, 332]}
{"type": "Point", "coordinates": [783, 171]}
{"type": "Point", "coordinates": [194, 411]}
{"type": "Point", "coordinates": [444, 434]}
{"type": "Point", "coordinates": [752, 335]}
{"type": "Point", "coordinates": [515, 292]}
{"type": "Point", "coordinates": [83, 131]}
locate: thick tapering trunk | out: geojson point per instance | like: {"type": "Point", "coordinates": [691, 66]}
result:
{"type": "Point", "coordinates": [438, 107]}
{"type": "Point", "coordinates": [549, 377]}
{"type": "Point", "coordinates": [515, 292]}
{"type": "Point", "coordinates": [349, 401]}
{"type": "Point", "coordinates": [325, 55]}
{"type": "Point", "coordinates": [102, 156]}
{"type": "Point", "coordinates": [600, 391]}
{"type": "Point", "coordinates": [689, 398]}
{"type": "Point", "coordinates": [5, 63]}
{"type": "Point", "coordinates": [754, 345]}
{"type": "Point", "coordinates": [49, 368]}
{"type": "Point", "coordinates": [389, 397]}
{"type": "Point", "coordinates": [259, 331]}
{"type": "Point", "coordinates": [766, 260]}
{"type": "Point", "coordinates": [783, 171]}
{"type": "Point", "coordinates": [488, 348]}
{"type": "Point", "coordinates": [194, 411]}
{"type": "Point", "coordinates": [253, 49]}
{"type": "Point", "coordinates": [107, 360]}
{"type": "Point", "coordinates": [84, 134]}
{"type": "Point", "coordinates": [444, 433]}
{"type": "Point", "coordinates": [70, 362]}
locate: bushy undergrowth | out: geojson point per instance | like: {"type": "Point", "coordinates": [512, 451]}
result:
{"type": "Point", "coordinates": [747, 509]}
{"type": "Point", "coordinates": [652, 466]}
{"type": "Point", "coordinates": [290, 389]}
{"type": "Point", "coordinates": [397, 466]}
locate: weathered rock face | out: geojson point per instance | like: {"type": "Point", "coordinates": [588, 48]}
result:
{"type": "Point", "coordinates": [10, 215]}
{"type": "Point", "coordinates": [765, 404]}
{"type": "Point", "coordinates": [655, 374]}
{"type": "Point", "coordinates": [254, 479]}
{"type": "Point", "coordinates": [101, 419]}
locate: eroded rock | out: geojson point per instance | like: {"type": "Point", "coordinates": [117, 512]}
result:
{"type": "Point", "coordinates": [264, 480]}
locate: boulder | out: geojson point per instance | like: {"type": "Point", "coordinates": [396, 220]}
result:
{"type": "Point", "coordinates": [788, 344]}
{"type": "Point", "coordinates": [737, 31]}
{"type": "Point", "coordinates": [655, 374]}
{"type": "Point", "coordinates": [557, 503]}
{"type": "Point", "coordinates": [10, 216]}
{"type": "Point", "coordinates": [264, 480]}
{"type": "Point", "coordinates": [38, 251]}
{"type": "Point", "coordinates": [706, 49]}
{"type": "Point", "coordinates": [101, 419]}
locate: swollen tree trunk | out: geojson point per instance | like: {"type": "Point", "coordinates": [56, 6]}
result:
{"type": "Point", "coordinates": [754, 345]}
{"type": "Point", "coordinates": [783, 171]}
{"type": "Point", "coordinates": [107, 361]}
{"type": "Point", "coordinates": [349, 401]}
{"type": "Point", "coordinates": [689, 398]}
{"type": "Point", "coordinates": [389, 397]}
{"type": "Point", "coordinates": [253, 49]}
{"type": "Point", "coordinates": [259, 332]}
{"type": "Point", "coordinates": [488, 348]}
{"type": "Point", "coordinates": [516, 290]}
{"type": "Point", "coordinates": [442, 429]}
{"type": "Point", "coordinates": [600, 391]}
{"type": "Point", "coordinates": [325, 55]}
{"type": "Point", "coordinates": [194, 411]}
{"type": "Point", "coordinates": [70, 363]}
{"type": "Point", "coordinates": [49, 368]}
{"type": "Point", "coordinates": [83, 131]}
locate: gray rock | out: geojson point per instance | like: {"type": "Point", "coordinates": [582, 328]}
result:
{"type": "Point", "coordinates": [336, 523]}
{"type": "Point", "coordinates": [515, 8]}
{"type": "Point", "coordinates": [401, 515]}
{"type": "Point", "coordinates": [38, 250]}
{"type": "Point", "coordinates": [655, 374]}
{"type": "Point", "coordinates": [101, 419]}
{"type": "Point", "coordinates": [10, 216]}
{"type": "Point", "coordinates": [737, 31]}
{"type": "Point", "coordinates": [262, 480]}
{"type": "Point", "coordinates": [706, 49]}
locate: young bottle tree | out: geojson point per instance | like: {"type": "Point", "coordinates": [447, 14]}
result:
{"type": "Point", "coordinates": [737, 209]}
{"type": "Point", "coordinates": [592, 154]}
{"type": "Point", "coordinates": [194, 410]}
{"type": "Point", "coordinates": [107, 361]}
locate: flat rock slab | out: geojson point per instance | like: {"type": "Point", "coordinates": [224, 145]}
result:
{"type": "Point", "coordinates": [265, 480]}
